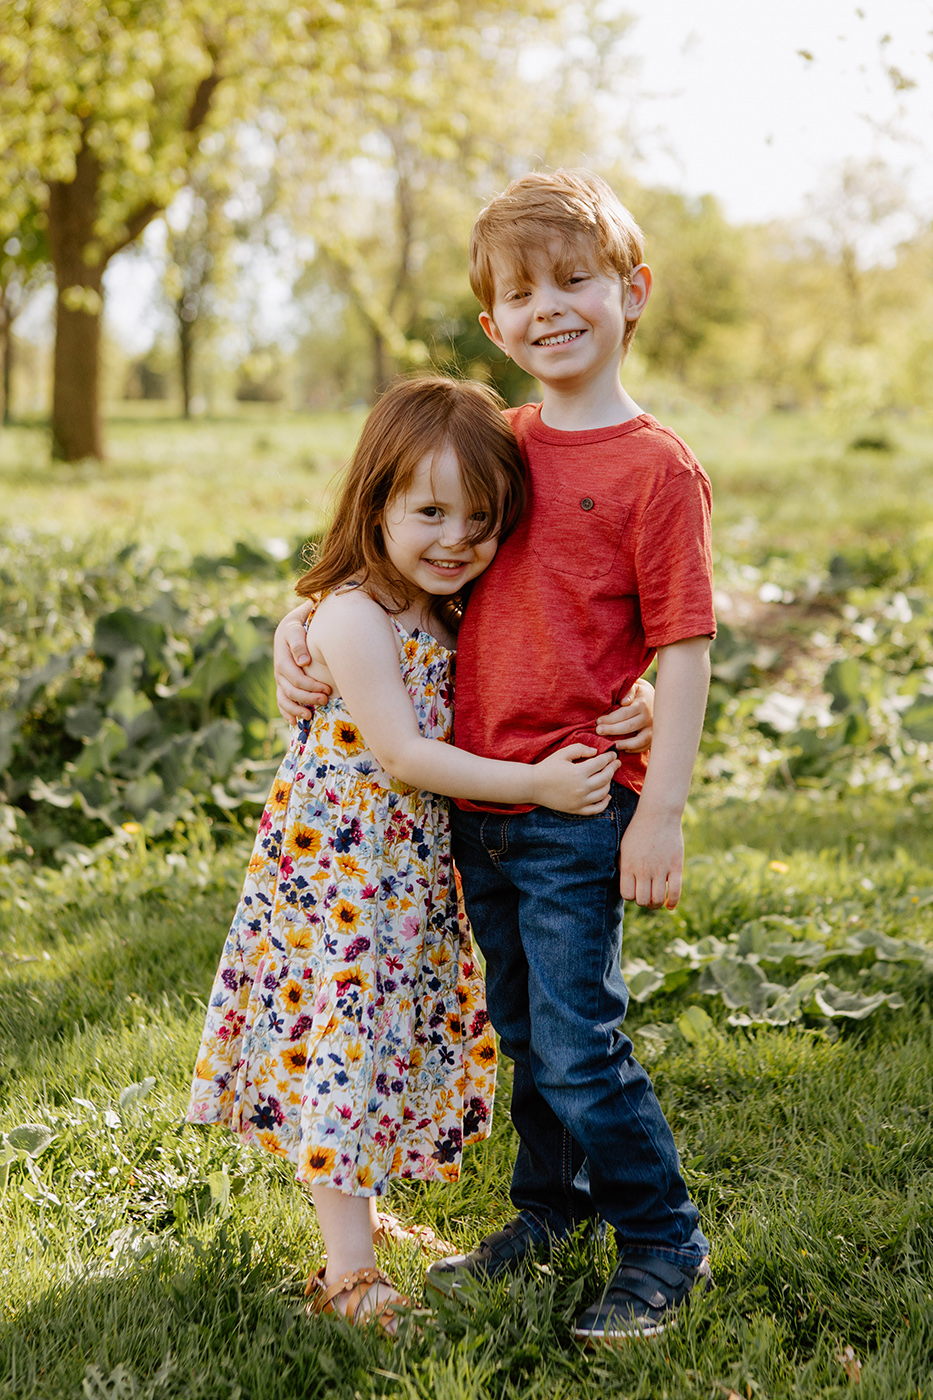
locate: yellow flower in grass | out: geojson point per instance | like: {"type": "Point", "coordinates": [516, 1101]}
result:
{"type": "Point", "coordinates": [292, 994]}
{"type": "Point", "coordinates": [347, 737]}
{"type": "Point", "coordinates": [320, 1161]}
{"type": "Point", "coordinates": [346, 916]}
{"type": "Point", "coordinates": [278, 797]}
{"type": "Point", "coordinates": [350, 868]}
{"type": "Point", "coordinates": [302, 841]}
{"type": "Point", "coordinates": [295, 1058]}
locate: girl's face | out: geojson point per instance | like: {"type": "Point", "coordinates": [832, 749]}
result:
{"type": "Point", "coordinates": [427, 530]}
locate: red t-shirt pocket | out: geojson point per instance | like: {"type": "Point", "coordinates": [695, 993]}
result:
{"type": "Point", "coordinates": [574, 532]}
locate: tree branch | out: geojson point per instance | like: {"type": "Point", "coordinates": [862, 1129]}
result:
{"type": "Point", "coordinates": [134, 226]}
{"type": "Point", "coordinates": [197, 114]}
{"type": "Point", "coordinates": [203, 96]}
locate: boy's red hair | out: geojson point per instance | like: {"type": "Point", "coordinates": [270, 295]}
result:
{"type": "Point", "coordinates": [574, 209]}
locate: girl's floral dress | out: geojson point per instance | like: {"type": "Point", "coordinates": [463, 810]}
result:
{"type": "Point", "coordinates": [347, 1026]}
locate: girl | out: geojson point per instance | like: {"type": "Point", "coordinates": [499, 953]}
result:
{"type": "Point", "coordinates": [347, 1028]}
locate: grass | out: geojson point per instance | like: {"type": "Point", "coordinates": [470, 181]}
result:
{"type": "Point", "coordinates": [783, 483]}
{"type": "Point", "coordinates": [143, 1258]}
{"type": "Point", "coordinates": [811, 1159]}
{"type": "Point", "coordinates": [192, 486]}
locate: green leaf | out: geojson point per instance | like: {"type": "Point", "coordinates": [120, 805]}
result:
{"type": "Point", "coordinates": [30, 1138]}
{"type": "Point", "coordinates": [134, 711]}
{"type": "Point", "coordinates": [131, 1095]}
{"type": "Point", "coordinates": [657, 1037]}
{"type": "Point", "coordinates": [83, 721]}
{"type": "Point", "coordinates": [256, 689]}
{"type": "Point", "coordinates": [216, 669]}
{"type": "Point", "coordinates": [221, 744]}
{"type": "Point", "coordinates": [695, 1025]}
{"type": "Point", "coordinates": [142, 794]}
{"type": "Point", "coordinates": [833, 1001]}
{"type": "Point", "coordinates": [642, 979]}
{"type": "Point", "coordinates": [738, 982]}
{"type": "Point", "coordinates": [918, 720]}
{"type": "Point", "coordinates": [134, 631]}
{"type": "Point", "coordinates": [98, 754]}
{"type": "Point", "coordinates": [843, 681]}
{"type": "Point", "coordinates": [219, 1183]}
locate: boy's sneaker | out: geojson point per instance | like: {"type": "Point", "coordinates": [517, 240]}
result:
{"type": "Point", "coordinates": [503, 1252]}
{"type": "Point", "coordinates": [641, 1299]}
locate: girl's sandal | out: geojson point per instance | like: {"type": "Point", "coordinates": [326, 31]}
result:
{"type": "Point", "coordinates": [357, 1284]}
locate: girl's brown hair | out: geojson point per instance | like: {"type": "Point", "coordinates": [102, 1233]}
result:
{"type": "Point", "coordinates": [414, 419]}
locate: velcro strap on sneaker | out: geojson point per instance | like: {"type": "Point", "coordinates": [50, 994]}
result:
{"type": "Point", "coordinates": [661, 1269]}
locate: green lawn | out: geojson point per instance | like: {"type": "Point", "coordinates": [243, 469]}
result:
{"type": "Point", "coordinates": [145, 1258]}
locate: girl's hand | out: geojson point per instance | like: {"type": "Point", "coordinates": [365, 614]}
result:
{"type": "Point", "coordinates": [297, 694]}
{"type": "Point", "coordinates": [633, 721]}
{"type": "Point", "coordinates": [576, 779]}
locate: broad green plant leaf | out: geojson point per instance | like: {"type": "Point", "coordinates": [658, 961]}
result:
{"type": "Point", "coordinates": [31, 1139]}
{"type": "Point", "coordinates": [133, 1093]}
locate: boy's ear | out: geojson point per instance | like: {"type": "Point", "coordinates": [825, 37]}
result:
{"type": "Point", "coordinates": [491, 329]}
{"type": "Point", "coordinates": [639, 291]}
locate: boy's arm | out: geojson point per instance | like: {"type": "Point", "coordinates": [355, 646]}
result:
{"type": "Point", "coordinates": [651, 858]}
{"type": "Point", "coordinates": [296, 693]}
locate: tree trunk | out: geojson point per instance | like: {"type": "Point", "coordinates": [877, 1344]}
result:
{"type": "Point", "coordinates": [185, 356]}
{"type": "Point", "coordinates": [76, 428]}
{"type": "Point", "coordinates": [6, 350]}
{"type": "Point", "coordinates": [383, 367]}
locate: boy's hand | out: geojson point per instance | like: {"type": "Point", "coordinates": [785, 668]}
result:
{"type": "Point", "coordinates": [297, 694]}
{"type": "Point", "coordinates": [633, 721]}
{"type": "Point", "coordinates": [576, 779]}
{"type": "Point", "coordinates": [651, 860]}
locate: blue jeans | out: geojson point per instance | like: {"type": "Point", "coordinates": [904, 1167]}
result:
{"type": "Point", "coordinates": [542, 893]}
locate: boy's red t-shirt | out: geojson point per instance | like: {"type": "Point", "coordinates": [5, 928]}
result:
{"type": "Point", "coordinates": [610, 561]}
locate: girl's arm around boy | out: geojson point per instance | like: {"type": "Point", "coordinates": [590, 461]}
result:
{"type": "Point", "coordinates": [651, 859]}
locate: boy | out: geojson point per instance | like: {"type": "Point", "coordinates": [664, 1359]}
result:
{"type": "Point", "coordinates": [609, 565]}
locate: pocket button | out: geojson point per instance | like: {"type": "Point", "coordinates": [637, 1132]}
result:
{"type": "Point", "coordinates": [587, 503]}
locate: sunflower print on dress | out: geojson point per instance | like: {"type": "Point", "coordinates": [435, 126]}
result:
{"type": "Point", "coordinates": [347, 1027]}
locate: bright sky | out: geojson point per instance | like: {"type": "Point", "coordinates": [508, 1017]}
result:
{"type": "Point", "coordinates": [736, 111]}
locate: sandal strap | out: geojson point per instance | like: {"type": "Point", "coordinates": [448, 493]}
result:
{"type": "Point", "coordinates": [357, 1284]}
